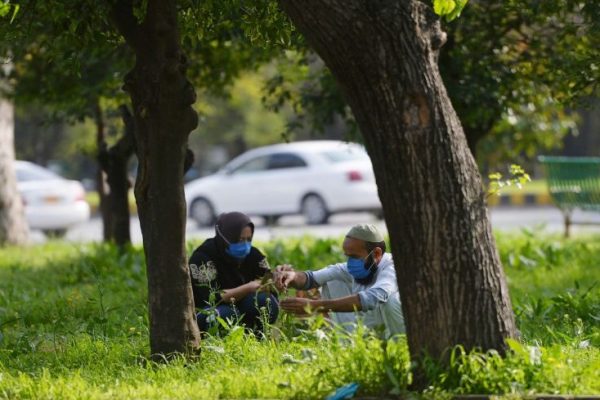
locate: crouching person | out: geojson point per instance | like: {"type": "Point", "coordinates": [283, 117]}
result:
{"type": "Point", "coordinates": [226, 274]}
{"type": "Point", "coordinates": [364, 286]}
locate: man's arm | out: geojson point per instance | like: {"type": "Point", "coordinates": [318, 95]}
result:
{"type": "Point", "coordinates": [300, 306]}
{"type": "Point", "coordinates": [341, 304]}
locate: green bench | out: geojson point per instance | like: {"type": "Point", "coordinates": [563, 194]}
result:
{"type": "Point", "coordinates": [573, 182]}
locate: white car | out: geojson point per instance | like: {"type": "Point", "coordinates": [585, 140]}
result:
{"type": "Point", "coordinates": [313, 178]}
{"type": "Point", "coordinates": [52, 203]}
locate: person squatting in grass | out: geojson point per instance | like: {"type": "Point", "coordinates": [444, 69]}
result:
{"type": "Point", "coordinates": [226, 273]}
{"type": "Point", "coordinates": [363, 287]}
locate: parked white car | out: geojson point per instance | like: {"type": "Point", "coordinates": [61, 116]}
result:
{"type": "Point", "coordinates": [52, 203]}
{"type": "Point", "coordinates": [312, 178]}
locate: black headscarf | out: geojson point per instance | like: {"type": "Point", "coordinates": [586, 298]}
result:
{"type": "Point", "coordinates": [231, 225]}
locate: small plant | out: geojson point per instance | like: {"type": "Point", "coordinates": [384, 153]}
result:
{"type": "Point", "coordinates": [517, 177]}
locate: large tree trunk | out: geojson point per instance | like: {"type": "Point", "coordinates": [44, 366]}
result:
{"type": "Point", "coordinates": [101, 184]}
{"type": "Point", "coordinates": [13, 225]}
{"type": "Point", "coordinates": [114, 161]}
{"type": "Point", "coordinates": [161, 98]}
{"type": "Point", "coordinates": [384, 57]}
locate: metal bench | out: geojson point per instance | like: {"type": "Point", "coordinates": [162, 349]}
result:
{"type": "Point", "coordinates": [573, 182]}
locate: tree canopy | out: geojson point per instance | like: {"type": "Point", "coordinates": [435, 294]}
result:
{"type": "Point", "coordinates": [512, 69]}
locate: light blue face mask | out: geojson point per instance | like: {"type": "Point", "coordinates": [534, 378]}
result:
{"type": "Point", "coordinates": [236, 250]}
{"type": "Point", "coordinates": [356, 267]}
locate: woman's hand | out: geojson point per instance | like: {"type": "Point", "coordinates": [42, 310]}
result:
{"type": "Point", "coordinates": [253, 286]}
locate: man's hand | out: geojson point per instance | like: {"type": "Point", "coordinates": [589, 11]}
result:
{"type": "Point", "coordinates": [283, 276]}
{"type": "Point", "coordinates": [297, 305]}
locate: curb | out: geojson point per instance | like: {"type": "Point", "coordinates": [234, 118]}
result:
{"type": "Point", "coordinates": [521, 199]}
{"type": "Point", "coordinates": [502, 200]}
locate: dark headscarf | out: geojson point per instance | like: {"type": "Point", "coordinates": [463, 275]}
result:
{"type": "Point", "coordinates": [231, 225]}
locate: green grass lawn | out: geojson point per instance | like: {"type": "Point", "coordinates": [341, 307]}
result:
{"type": "Point", "coordinates": [73, 325]}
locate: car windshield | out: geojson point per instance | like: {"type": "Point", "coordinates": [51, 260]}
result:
{"type": "Point", "coordinates": [34, 173]}
{"type": "Point", "coordinates": [347, 154]}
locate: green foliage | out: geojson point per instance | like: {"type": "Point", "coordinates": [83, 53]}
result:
{"type": "Point", "coordinates": [5, 10]}
{"type": "Point", "coordinates": [73, 324]}
{"type": "Point", "coordinates": [525, 370]}
{"type": "Point", "coordinates": [526, 130]}
{"type": "Point", "coordinates": [518, 177]}
{"type": "Point", "coordinates": [497, 68]}
{"type": "Point", "coordinates": [500, 65]}
{"type": "Point", "coordinates": [450, 9]}
{"type": "Point", "coordinates": [555, 287]}
{"type": "Point", "coordinates": [237, 116]}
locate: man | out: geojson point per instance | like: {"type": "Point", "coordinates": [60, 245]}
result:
{"type": "Point", "coordinates": [365, 285]}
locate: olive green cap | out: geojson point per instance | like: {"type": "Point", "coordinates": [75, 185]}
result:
{"type": "Point", "coordinates": [366, 232]}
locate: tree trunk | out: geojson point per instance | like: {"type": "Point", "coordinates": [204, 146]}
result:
{"type": "Point", "coordinates": [114, 163]}
{"type": "Point", "coordinates": [384, 57]}
{"type": "Point", "coordinates": [101, 183]}
{"type": "Point", "coordinates": [13, 225]}
{"type": "Point", "coordinates": [161, 98]}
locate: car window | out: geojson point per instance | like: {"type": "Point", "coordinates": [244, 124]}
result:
{"type": "Point", "coordinates": [348, 154]}
{"type": "Point", "coordinates": [33, 173]}
{"type": "Point", "coordinates": [286, 160]}
{"type": "Point", "coordinates": [253, 165]}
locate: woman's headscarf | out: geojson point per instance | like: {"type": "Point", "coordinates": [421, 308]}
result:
{"type": "Point", "coordinates": [230, 225]}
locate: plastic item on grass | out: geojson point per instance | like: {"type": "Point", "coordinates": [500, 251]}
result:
{"type": "Point", "coordinates": [344, 392]}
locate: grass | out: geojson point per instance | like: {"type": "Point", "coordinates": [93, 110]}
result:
{"type": "Point", "coordinates": [73, 324]}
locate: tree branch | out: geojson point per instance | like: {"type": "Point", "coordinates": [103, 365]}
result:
{"type": "Point", "coordinates": [125, 21]}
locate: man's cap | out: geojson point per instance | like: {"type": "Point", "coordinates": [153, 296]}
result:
{"type": "Point", "coordinates": [366, 232]}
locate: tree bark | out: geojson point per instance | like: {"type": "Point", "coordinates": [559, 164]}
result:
{"type": "Point", "coordinates": [101, 179]}
{"type": "Point", "coordinates": [384, 57]}
{"type": "Point", "coordinates": [13, 225]}
{"type": "Point", "coordinates": [114, 161]}
{"type": "Point", "coordinates": [162, 98]}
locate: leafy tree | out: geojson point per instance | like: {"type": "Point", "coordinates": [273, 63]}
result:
{"type": "Point", "coordinates": [161, 97]}
{"type": "Point", "coordinates": [384, 56]}
{"type": "Point", "coordinates": [503, 63]}
{"type": "Point", "coordinates": [237, 120]}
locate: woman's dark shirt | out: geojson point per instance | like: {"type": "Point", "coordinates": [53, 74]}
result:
{"type": "Point", "coordinates": [212, 271]}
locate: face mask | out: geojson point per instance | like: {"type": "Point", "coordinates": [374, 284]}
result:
{"type": "Point", "coordinates": [239, 250]}
{"type": "Point", "coordinates": [356, 267]}
{"type": "Point", "coordinates": [236, 250]}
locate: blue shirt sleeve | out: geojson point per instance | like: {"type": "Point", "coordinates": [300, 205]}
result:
{"type": "Point", "coordinates": [331, 272]}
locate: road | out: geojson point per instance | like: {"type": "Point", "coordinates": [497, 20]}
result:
{"type": "Point", "coordinates": [548, 219]}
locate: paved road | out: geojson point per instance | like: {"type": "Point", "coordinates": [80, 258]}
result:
{"type": "Point", "coordinates": [549, 219]}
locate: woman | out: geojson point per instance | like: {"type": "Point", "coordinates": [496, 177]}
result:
{"type": "Point", "coordinates": [226, 274]}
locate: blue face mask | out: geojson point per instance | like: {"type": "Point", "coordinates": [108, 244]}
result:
{"type": "Point", "coordinates": [357, 268]}
{"type": "Point", "coordinates": [239, 250]}
{"type": "Point", "coordinates": [236, 250]}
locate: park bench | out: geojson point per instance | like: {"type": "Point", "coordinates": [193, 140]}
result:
{"type": "Point", "coordinates": [573, 182]}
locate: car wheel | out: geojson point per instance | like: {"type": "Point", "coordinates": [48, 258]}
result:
{"type": "Point", "coordinates": [55, 233]}
{"type": "Point", "coordinates": [314, 210]}
{"type": "Point", "coordinates": [202, 212]}
{"type": "Point", "coordinates": [271, 220]}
